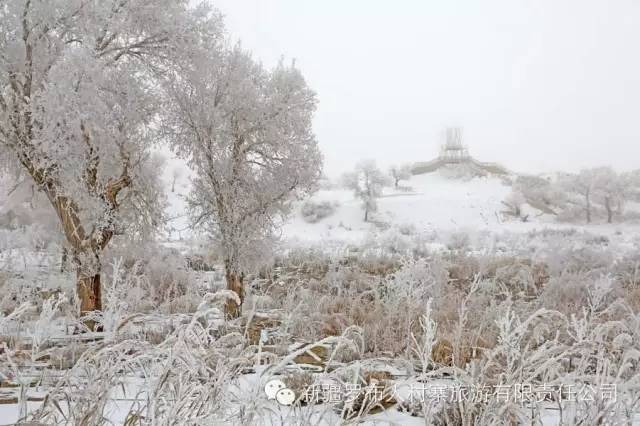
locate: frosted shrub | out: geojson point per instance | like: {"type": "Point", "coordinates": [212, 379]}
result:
{"type": "Point", "coordinates": [172, 286]}
{"type": "Point", "coordinates": [45, 326]}
{"type": "Point", "coordinates": [459, 241]}
{"type": "Point", "coordinates": [423, 345]}
{"type": "Point", "coordinates": [8, 299]}
{"type": "Point", "coordinates": [627, 273]}
{"type": "Point", "coordinates": [521, 277]}
{"type": "Point", "coordinates": [571, 213]}
{"type": "Point", "coordinates": [315, 211]}
{"type": "Point", "coordinates": [407, 229]}
{"type": "Point", "coordinates": [162, 276]}
{"type": "Point", "coordinates": [15, 293]}
{"type": "Point", "coordinates": [123, 294]}
{"type": "Point", "coordinates": [311, 261]}
{"type": "Point", "coordinates": [394, 242]}
{"type": "Point", "coordinates": [580, 255]}
{"type": "Point", "coordinates": [181, 379]}
{"type": "Point", "coordinates": [379, 262]}
{"type": "Point", "coordinates": [418, 279]}
{"type": "Point", "coordinates": [540, 193]}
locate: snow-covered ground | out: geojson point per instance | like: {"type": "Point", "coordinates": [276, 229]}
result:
{"type": "Point", "coordinates": [434, 202]}
{"type": "Point", "coordinates": [431, 206]}
{"type": "Point", "coordinates": [428, 203]}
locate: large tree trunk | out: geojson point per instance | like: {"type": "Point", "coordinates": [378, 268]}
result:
{"type": "Point", "coordinates": [86, 259]}
{"type": "Point", "coordinates": [90, 294]}
{"type": "Point", "coordinates": [88, 286]}
{"type": "Point", "coordinates": [235, 284]}
{"type": "Point", "coordinates": [67, 208]}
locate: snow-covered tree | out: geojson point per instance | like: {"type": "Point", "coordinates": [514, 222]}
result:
{"type": "Point", "coordinates": [611, 191]}
{"type": "Point", "coordinates": [632, 181]}
{"type": "Point", "coordinates": [246, 132]}
{"type": "Point", "coordinates": [583, 184]}
{"type": "Point", "coordinates": [399, 172]}
{"type": "Point", "coordinates": [176, 174]}
{"type": "Point", "coordinates": [540, 193]}
{"type": "Point", "coordinates": [77, 102]}
{"type": "Point", "coordinates": [600, 188]}
{"type": "Point", "coordinates": [142, 206]}
{"type": "Point", "coordinates": [515, 202]}
{"type": "Point", "coordinates": [367, 182]}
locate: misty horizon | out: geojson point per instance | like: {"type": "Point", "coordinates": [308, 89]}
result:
{"type": "Point", "coordinates": [537, 87]}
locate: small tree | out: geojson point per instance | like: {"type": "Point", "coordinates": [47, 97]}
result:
{"type": "Point", "coordinates": [601, 186]}
{"type": "Point", "coordinates": [247, 134]}
{"type": "Point", "coordinates": [176, 174]}
{"type": "Point", "coordinates": [399, 172]}
{"type": "Point", "coordinates": [367, 182]}
{"type": "Point", "coordinates": [583, 184]}
{"type": "Point", "coordinates": [612, 190]}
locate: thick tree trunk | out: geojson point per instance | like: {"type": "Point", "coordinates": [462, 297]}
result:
{"type": "Point", "coordinates": [366, 215]}
{"type": "Point", "coordinates": [235, 284]}
{"type": "Point", "coordinates": [67, 208]}
{"type": "Point", "coordinates": [89, 292]}
{"type": "Point", "coordinates": [85, 255]}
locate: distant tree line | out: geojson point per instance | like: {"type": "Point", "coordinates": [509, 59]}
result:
{"type": "Point", "coordinates": [596, 194]}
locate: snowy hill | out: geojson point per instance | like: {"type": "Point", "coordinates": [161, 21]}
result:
{"type": "Point", "coordinates": [434, 202]}
{"type": "Point", "coordinates": [430, 202]}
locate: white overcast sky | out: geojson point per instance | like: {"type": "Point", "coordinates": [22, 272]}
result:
{"type": "Point", "coordinates": [538, 85]}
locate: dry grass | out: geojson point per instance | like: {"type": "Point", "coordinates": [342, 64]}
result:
{"type": "Point", "coordinates": [483, 319]}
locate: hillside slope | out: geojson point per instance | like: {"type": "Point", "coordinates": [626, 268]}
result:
{"type": "Point", "coordinates": [434, 202]}
{"type": "Point", "coordinates": [430, 202]}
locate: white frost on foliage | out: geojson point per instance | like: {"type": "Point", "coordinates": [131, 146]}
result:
{"type": "Point", "coordinates": [246, 134]}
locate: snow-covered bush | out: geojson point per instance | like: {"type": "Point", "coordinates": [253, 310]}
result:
{"type": "Point", "coordinates": [315, 211]}
{"type": "Point", "coordinates": [541, 193]}
{"type": "Point", "coordinates": [407, 229]}
{"type": "Point", "coordinates": [161, 276]}
{"type": "Point", "coordinates": [185, 378]}
{"type": "Point", "coordinates": [515, 203]}
{"type": "Point", "coordinates": [580, 256]}
{"type": "Point", "coordinates": [459, 241]}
